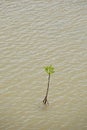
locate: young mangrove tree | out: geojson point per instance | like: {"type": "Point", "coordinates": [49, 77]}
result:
{"type": "Point", "coordinates": [49, 70]}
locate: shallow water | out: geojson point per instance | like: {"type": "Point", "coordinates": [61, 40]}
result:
{"type": "Point", "coordinates": [34, 34]}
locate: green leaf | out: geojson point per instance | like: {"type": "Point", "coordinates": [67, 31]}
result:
{"type": "Point", "coordinates": [49, 69]}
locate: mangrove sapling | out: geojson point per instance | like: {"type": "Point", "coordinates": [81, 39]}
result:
{"type": "Point", "coordinates": [49, 70]}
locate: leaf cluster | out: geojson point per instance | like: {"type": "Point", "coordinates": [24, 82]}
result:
{"type": "Point", "coordinates": [49, 69]}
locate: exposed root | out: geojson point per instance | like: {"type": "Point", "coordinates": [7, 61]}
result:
{"type": "Point", "coordinates": [45, 100]}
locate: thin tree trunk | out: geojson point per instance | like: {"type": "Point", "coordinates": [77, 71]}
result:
{"type": "Point", "coordinates": [45, 99]}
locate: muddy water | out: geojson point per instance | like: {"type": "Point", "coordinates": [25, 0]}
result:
{"type": "Point", "coordinates": [33, 34]}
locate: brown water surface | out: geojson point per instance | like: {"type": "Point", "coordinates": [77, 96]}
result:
{"type": "Point", "coordinates": [35, 33]}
